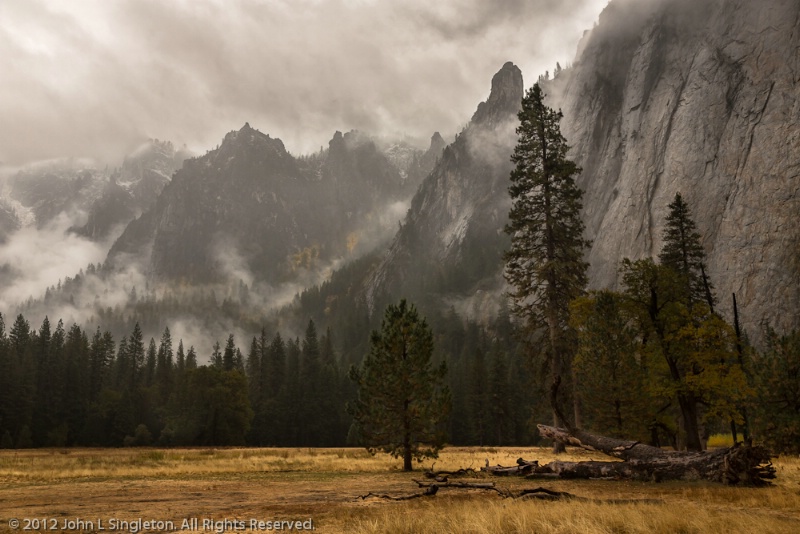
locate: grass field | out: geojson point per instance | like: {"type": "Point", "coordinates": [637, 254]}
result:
{"type": "Point", "coordinates": [90, 489]}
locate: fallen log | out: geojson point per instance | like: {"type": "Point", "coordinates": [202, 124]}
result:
{"type": "Point", "coordinates": [540, 493]}
{"type": "Point", "coordinates": [443, 476]}
{"type": "Point", "coordinates": [462, 485]}
{"type": "Point", "coordinates": [742, 463]}
{"type": "Point", "coordinates": [522, 468]}
{"type": "Point", "coordinates": [429, 492]}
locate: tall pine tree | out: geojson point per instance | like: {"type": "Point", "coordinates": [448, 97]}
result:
{"type": "Point", "coordinates": [545, 265]}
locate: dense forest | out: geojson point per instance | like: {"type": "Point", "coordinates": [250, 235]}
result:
{"type": "Point", "coordinates": [63, 386]}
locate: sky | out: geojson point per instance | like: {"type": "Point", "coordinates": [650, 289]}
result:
{"type": "Point", "coordinates": [96, 78]}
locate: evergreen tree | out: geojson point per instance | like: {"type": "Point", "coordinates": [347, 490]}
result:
{"type": "Point", "coordinates": [310, 387]}
{"type": "Point", "coordinates": [331, 409]}
{"type": "Point", "coordinates": [276, 408]}
{"type": "Point", "coordinates": [180, 364]}
{"type": "Point", "coordinates": [74, 400]}
{"type": "Point", "coordinates": [135, 355]}
{"type": "Point", "coordinates": [229, 356]}
{"type": "Point", "coordinates": [402, 400]}
{"type": "Point", "coordinates": [545, 266]}
{"type": "Point", "coordinates": [191, 358]}
{"type": "Point", "coordinates": [291, 396]}
{"type": "Point", "coordinates": [150, 363]}
{"type": "Point", "coordinates": [100, 358]}
{"type": "Point", "coordinates": [480, 405]}
{"type": "Point", "coordinates": [216, 356]}
{"type": "Point", "coordinates": [500, 400]}
{"type": "Point", "coordinates": [683, 253]}
{"type": "Point", "coordinates": [122, 364]}
{"type": "Point", "coordinates": [164, 365]}
{"type": "Point", "coordinates": [255, 391]}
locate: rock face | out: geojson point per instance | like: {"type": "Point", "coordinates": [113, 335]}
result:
{"type": "Point", "coordinates": [451, 242]}
{"type": "Point", "coordinates": [700, 97]}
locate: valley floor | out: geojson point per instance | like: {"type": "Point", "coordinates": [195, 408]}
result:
{"type": "Point", "coordinates": [93, 489]}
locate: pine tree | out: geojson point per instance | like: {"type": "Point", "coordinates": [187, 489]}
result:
{"type": "Point", "coordinates": [332, 403]}
{"type": "Point", "coordinates": [164, 367]}
{"type": "Point", "coordinates": [191, 358]}
{"type": "Point", "coordinates": [180, 364]}
{"type": "Point", "coordinates": [216, 356]}
{"type": "Point", "coordinates": [256, 391]}
{"type": "Point", "coordinates": [273, 373]}
{"type": "Point", "coordinates": [683, 253]}
{"type": "Point", "coordinates": [150, 363]}
{"type": "Point", "coordinates": [402, 400]}
{"type": "Point", "coordinates": [545, 266]}
{"type": "Point", "coordinates": [310, 386]}
{"type": "Point", "coordinates": [100, 355]}
{"type": "Point", "coordinates": [229, 356]}
{"type": "Point", "coordinates": [135, 355]}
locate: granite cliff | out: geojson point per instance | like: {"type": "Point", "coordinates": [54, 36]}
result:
{"type": "Point", "coordinates": [700, 97]}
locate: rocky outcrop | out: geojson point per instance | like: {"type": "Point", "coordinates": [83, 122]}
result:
{"type": "Point", "coordinates": [700, 97]}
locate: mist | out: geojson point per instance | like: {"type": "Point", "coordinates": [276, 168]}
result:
{"type": "Point", "coordinates": [34, 259]}
{"type": "Point", "coordinates": [95, 78]}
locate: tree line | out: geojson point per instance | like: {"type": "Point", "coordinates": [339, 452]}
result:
{"type": "Point", "coordinates": [64, 386]}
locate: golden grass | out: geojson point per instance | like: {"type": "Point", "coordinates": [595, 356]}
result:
{"type": "Point", "coordinates": [324, 484]}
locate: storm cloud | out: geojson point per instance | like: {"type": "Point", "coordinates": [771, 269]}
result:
{"type": "Point", "coordinates": [95, 78]}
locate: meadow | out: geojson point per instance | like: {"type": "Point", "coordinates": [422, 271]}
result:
{"type": "Point", "coordinates": [225, 489]}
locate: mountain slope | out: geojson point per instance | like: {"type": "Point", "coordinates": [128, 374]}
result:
{"type": "Point", "coordinates": [700, 97]}
{"type": "Point", "coordinates": [450, 244]}
{"type": "Point", "coordinates": [251, 211]}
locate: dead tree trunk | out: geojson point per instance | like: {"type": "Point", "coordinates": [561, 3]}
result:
{"type": "Point", "coordinates": [741, 464]}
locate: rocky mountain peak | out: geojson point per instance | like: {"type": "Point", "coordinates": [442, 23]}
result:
{"type": "Point", "coordinates": [248, 140]}
{"type": "Point", "coordinates": [505, 97]}
{"type": "Point", "coordinates": [437, 143]}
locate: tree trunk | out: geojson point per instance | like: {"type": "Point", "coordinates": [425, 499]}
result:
{"type": "Point", "coordinates": [406, 438]}
{"type": "Point", "coordinates": [688, 406]}
{"type": "Point", "coordinates": [740, 464]}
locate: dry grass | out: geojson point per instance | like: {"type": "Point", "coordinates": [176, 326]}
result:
{"type": "Point", "coordinates": [324, 484]}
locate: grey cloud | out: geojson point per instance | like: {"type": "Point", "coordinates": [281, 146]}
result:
{"type": "Point", "coordinates": [93, 78]}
